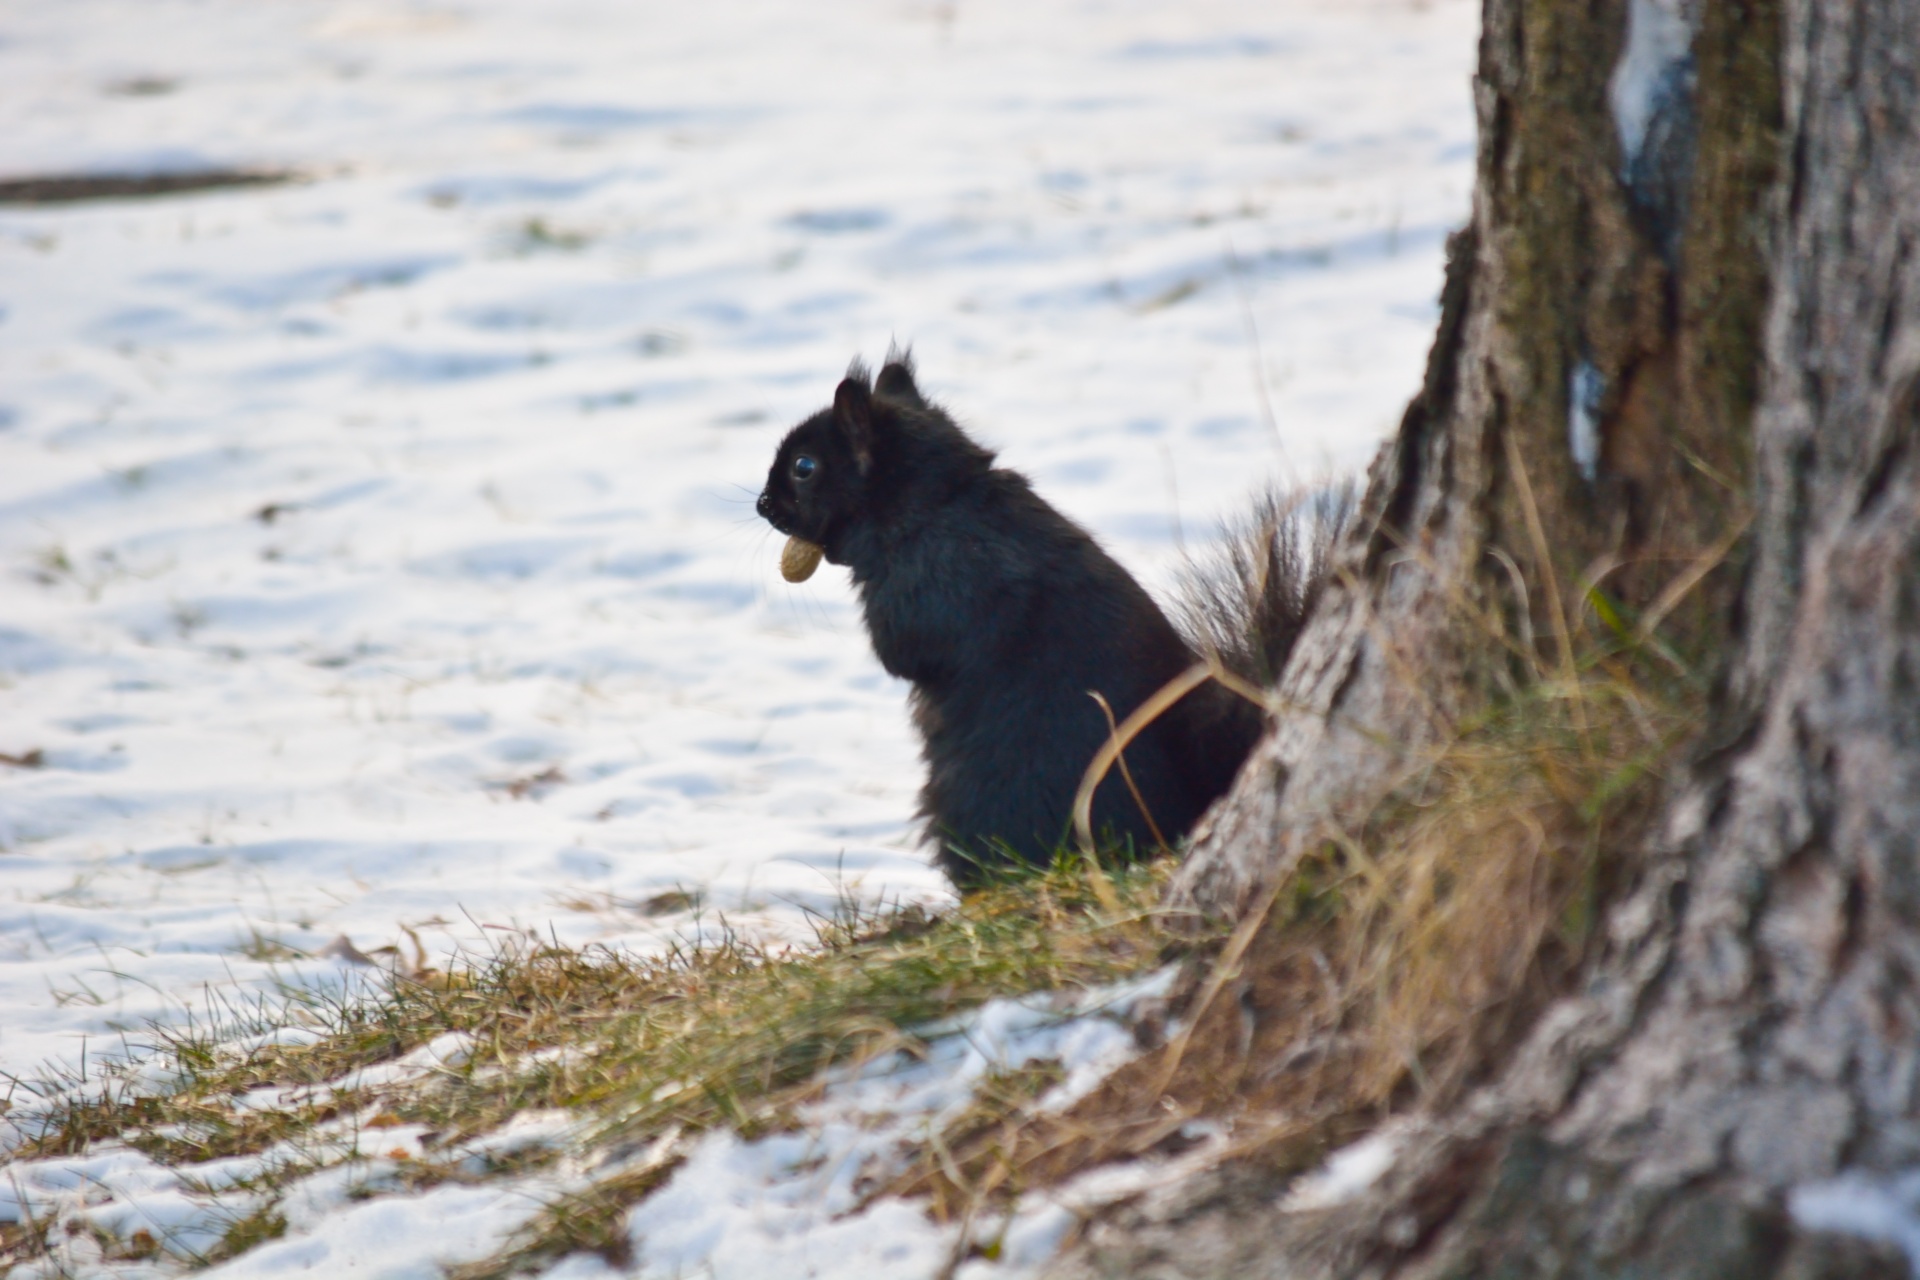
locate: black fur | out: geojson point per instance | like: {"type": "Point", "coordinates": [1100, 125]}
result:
{"type": "Point", "coordinates": [1248, 602]}
{"type": "Point", "coordinates": [1004, 614]}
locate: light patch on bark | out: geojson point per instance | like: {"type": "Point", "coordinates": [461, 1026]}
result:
{"type": "Point", "coordinates": [1584, 391]}
{"type": "Point", "coordinates": [1653, 70]}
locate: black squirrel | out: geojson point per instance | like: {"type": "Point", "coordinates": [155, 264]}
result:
{"type": "Point", "coordinates": [1005, 615]}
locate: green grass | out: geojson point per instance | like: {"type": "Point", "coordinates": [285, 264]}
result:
{"type": "Point", "coordinates": [647, 1051]}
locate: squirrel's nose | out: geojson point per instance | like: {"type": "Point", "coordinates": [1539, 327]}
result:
{"type": "Point", "coordinates": [764, 505]}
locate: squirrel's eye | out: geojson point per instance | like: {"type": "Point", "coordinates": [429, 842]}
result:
{"type": "Point", "coordinates": [804, 467]}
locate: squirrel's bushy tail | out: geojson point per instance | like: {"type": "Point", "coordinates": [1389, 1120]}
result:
{"type": "Point", "coordinates": [1247, 602]}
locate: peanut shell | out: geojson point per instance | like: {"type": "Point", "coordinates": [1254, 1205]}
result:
{"type": "Point", "coordinates": [799, 558]}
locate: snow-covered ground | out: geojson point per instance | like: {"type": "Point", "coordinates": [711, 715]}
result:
{"type": "Point", "coordinates": [378, 551]}
{"type": "Point", "coordinates": [377, 554]}
{"type": "Point", "coordinates": [795, 1202]}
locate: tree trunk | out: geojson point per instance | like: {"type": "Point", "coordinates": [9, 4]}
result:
{"type": "Point", "coordinates": [1687, 304]}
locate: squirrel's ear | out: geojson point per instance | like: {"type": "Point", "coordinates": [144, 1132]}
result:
{"type": "Point", "coordinates": [896, 383]}
{"type": "Point", "coordinates": [896, 378]}
{"type": "Point", "coordinates": [853, 414]}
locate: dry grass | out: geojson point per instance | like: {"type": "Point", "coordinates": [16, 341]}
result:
{"type": "Point", "coordinates": [1469, 899]}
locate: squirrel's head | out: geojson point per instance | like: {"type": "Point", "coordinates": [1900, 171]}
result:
{"type": "Point", "coordinates": [818, 481]}
{"type": "Point", "coordinates": [877, 445]}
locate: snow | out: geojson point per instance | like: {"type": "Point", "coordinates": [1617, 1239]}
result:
{"type": "Point", "coordinates": [1348, 1172]}
{"type": "Point", "coordinates": [1856, 1203]}
{"type": "Point", "coordinates": [1654, 66]}
{"type": "Point", "coordinates": [384, 1239]}
{"type": "Point", "coordinates": [344, 1207]}
{"type": "Point", "coordinates": [794, 1204]}
{"type": "Point", "coordinates": [375, 564]}
{"type": "Point", "coordinates": [377, 549]}
{"type": "Point", "coordinates": [1585, 389]}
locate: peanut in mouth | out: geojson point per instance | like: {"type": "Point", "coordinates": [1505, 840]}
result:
{"type": "Point", "coordinates": [799, 558]}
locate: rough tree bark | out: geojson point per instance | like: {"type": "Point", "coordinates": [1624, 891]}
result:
{"type": "Point", "coordinates": [1687, 303]}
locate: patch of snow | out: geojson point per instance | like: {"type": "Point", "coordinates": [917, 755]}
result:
{"type": "Point", "coordinates": [346, 1218]}
{"type": "Point", "coordinates": [1858, 1204]}
{"type": "Point", "coordinates": [780, 1206]}
{"type": "Point", "coordinates": [795, 1203]}
{"type": "Point", "coordinates": [1348, 1172]}
{"type": "Point", "coordinates": [529, 1131]}
{"type": "Point", "coordinates": [412, 1237]}
{"type": "Point", "coordinates": [1653, 67]}
{"type": "Point", "coordinates": [1584, 390]}
{"type": "Point", "coordinates": [119, 1193]}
